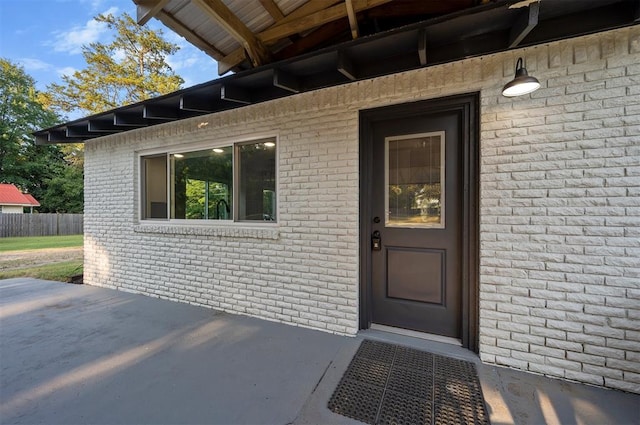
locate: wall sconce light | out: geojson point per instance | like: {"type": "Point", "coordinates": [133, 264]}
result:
{"type": "Point", "coordinates": [522, 83]}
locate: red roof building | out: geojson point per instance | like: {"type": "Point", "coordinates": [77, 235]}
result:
{"type": "Point", "coordinates": [12, 200]}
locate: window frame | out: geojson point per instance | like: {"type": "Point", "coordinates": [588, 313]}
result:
{"type": "Point", "coordinates": [172, 150]}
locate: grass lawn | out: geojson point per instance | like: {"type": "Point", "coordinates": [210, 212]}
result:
{"type": "Point", "coordinates": [39, 242]}
{"type": "Point", "coordinates": [56, 271]}
{"type": "Point", "coordinates": [50, 265]}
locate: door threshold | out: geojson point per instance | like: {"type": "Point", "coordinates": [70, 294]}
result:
{"type": "Point", "coordinates": [416, 334]}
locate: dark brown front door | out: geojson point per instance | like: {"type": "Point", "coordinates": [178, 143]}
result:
{"type": "Point", "coordinates": [417, 191]}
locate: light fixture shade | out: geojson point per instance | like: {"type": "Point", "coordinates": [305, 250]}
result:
{"type": "Point", "coordinates": [522, 82]}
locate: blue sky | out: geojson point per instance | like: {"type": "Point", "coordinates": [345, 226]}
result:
{"type": "Point", "coordinates": [46, 37]}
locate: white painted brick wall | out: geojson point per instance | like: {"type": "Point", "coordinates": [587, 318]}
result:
{"type": "Point", "coordinates": [560, 250]}
{"type": "Point", "coordinates": [560, 209]}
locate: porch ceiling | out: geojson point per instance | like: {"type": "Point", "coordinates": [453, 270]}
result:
{"type": "Point", "coordinates": [282, 47]}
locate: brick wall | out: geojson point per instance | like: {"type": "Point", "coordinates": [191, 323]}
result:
{"type": "Point", "coordinates": [560, 209]}
{"type": "Point", "coordinates": [302, 271]}
{"type": "Point", "coordinates": [560, 216]}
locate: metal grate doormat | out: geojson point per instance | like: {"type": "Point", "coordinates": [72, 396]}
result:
{"type": "Point", "coordinates": [391, 384]}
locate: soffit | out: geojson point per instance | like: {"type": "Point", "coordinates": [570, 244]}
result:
{"type": "Point", "coordinates": [469, 32]}
{"type": "Point", "coordinates": [242, 34]}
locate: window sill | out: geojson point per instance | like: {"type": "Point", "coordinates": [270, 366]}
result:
{"type": "Point", "coordinates": [241, 232]}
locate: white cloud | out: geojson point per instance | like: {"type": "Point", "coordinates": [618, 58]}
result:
{"type": "Point", "coordinates": [192, 66]}
{"type": "Point", "coordinates": [190, 63]}
{"type": "Point", "coordinates": [174, 38]}
{"type": "Point", "coordinates": [111, 11]}
{"type": "Point", "coordinates": [179, 62]}
{"type": "Point", "coordinates": [31, 64]}
{"type": "Point", "coordinates": [96, 4]}
{"type": "Point", "coordinates": [72, 41]}
{"type": "Point", "coordinates": [67, 70]}
{"type": "Point", "coordinates": [118, 55]}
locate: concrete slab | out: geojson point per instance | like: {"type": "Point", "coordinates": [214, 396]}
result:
{"type": "Point", "coordinates": [80, 354]}
{"type": "Point", "coordinates": [523, 398]}
{"type": "Point", "coordinates": [511, 396]}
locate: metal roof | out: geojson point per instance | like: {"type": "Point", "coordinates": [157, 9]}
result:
{"type": "Point", "coordinates": [241, 34]}
{"type": "Point", "coordinates": [10, 195]}
{"type": "Point", "coordinates": [470, 32]}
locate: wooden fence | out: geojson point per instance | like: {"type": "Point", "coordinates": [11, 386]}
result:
{"type": "Point", "coordinates": [40, 224]}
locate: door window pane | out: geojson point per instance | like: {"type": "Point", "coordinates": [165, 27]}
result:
{"type": "Point", "coordinates": [257, 176]}
{"type": "Point", "coordinates": [202, 184]}
{"type": "Point", "coordinates": [414, 179]}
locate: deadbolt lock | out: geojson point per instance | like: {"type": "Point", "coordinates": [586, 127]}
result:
{"type": "Point", "coordinates": [376, 241]}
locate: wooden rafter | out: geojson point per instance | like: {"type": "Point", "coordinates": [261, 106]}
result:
{"type": "Point", "coordinates": [147, 9]}
{"type": "Point", "coordinates": [272, 8]}
{"type": "Point", "coordinates": [353, 22]}
{"type": "Point", "coordinates": [193, 38]}
{"type": "Point", "coordinates": [220, 13]}
{"type": "Point", "coordinates": [314, 20]}
{"type": "Point", "coordinates": [234, 58]}
{"type": "Point", "coordinates": [316, 37]}
{"type": "Point", "coordinates": [419, 7]}
{"type": "Point", "coordinates": [370, 57]}
{"type": "Point", "coordinates": [293, 25]}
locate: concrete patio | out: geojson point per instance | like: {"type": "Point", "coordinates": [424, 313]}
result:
{"type": "Point", "coordinates": [78, 354]}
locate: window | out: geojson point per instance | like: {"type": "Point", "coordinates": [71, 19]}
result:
{"type": "Point", "coordinates": [414, 180]}
{"type": "Point", "coordinates": [154, 174]}
{"type": "Point", "coordinates": [257, 178]}
{"type": "Point", "coordinates": [232, 183]}
{"type": "Point", "coordinates": [202, 184]}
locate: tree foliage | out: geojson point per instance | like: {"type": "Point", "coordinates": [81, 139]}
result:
{"type": "Point", "coordinates": [65, 191]}
{"type": "Point", "coordinates": [29, 166]}
{"type": "Point", "coordinates": [130, 69]}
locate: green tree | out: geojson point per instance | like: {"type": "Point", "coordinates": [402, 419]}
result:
{"type": "Point", "coordinates": [29, 166]}
{"type": "Point", "coordinates": [65, 191]}
{"type": "Point", "coordinates": [130, 69]}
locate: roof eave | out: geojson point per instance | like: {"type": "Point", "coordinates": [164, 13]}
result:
{"type": "Point", "coordinates": [496, 27]}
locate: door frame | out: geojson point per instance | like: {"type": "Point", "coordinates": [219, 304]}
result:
{"type": "Point", "coordinates": [468, 106]}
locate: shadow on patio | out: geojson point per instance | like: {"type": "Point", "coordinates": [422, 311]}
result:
{"type": "Point", "coordinates": [80, 354]}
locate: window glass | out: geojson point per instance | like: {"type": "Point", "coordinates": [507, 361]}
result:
{"type": "Point", "coordinates": [257, 181]}
{"type": "Point", "coordinates": [415, 179]}
{"type": "Point", "coordinates": [202, 184]}
{"type": "Point", "coordinates": [154, 193]}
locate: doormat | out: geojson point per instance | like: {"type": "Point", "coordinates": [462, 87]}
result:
{"type": "Point", "coordinates": [391, 384]}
